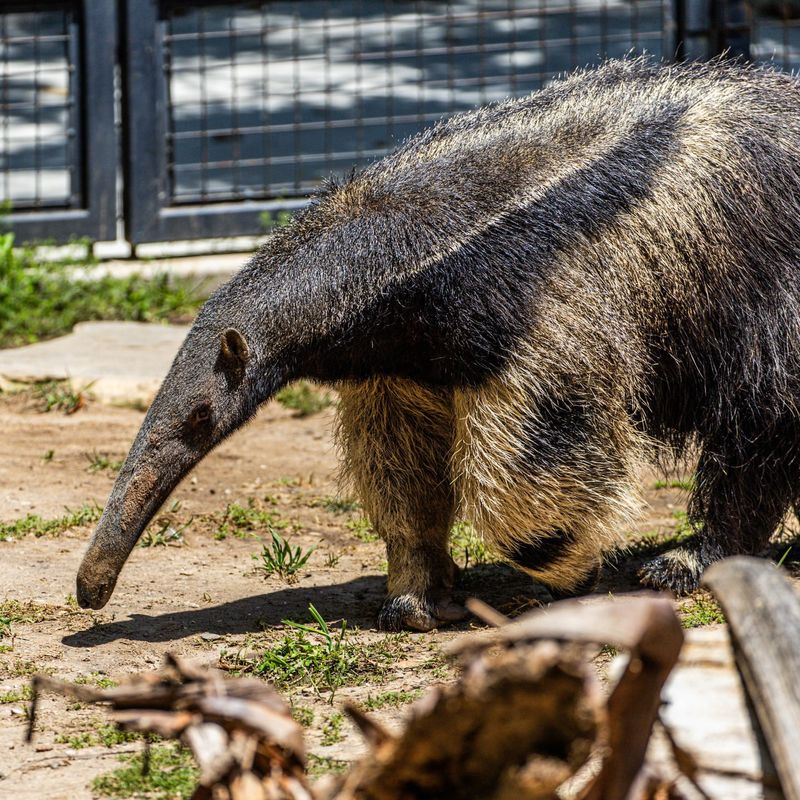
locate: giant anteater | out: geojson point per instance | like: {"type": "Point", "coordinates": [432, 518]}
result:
{"type": "Point", "coordinates": [519, 307]}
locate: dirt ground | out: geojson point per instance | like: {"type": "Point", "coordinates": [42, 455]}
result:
{"type": "Point", "coordinates": [203, 596]}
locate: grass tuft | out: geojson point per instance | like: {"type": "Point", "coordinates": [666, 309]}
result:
{"type": "Point", "coordinates": [106, 735]}
{"type": "Point", "coordinates": [304, 399]}
{"type": "Point", "coordinates": [685, 485]}
{"type": "Point", "coordinates": [392, 699]}
{"type": "Point", "coordinates": [250, 520]}
{"type": "Point", "coordinates": [22, 694]}
{"type": "Point", "coordinates": [303, 715]}
{"type": "Point", "coordinates": [700, 611]}
{"type": "Point", "coordinates": [279, 557]}
{"type": "Point", "coordinates": [332, 729]}
{"type": "Point", "coordinates": [37, 526]}
{"type": "Point", "coordinates": [321, 657]}
{"type": "Point", "coordinates": [466, 543]}
{"type": "Point", "coordinates": [362, 529]}
{"type": "Point", "coordinates": [59, 396]}
{"type": "Point", "coordinates": [172, 775]}
{"type": "Point", "coordinates": [99, 462]}
{"type": "Point", "coordinates": [321, 765]}
{"type": "Point", "coordinates": [338, 505]}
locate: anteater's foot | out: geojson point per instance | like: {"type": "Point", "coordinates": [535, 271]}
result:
{"type": "Point", "coordinates": [586, 585]}
{"type": "Point", "coordinates": [677, 570]}
{"type": "Point", "coordinates": [418, 613]}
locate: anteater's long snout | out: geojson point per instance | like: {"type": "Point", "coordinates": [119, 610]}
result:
{"type": "Point", "coordinates": [95, 584]}
{"type": "Point", "coordinates": [130, 508]}
{"type": "Point", "coordinates": [106, 556]}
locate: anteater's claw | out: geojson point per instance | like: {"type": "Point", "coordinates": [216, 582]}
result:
{"type": "Point", "coordinates": [408, 611]}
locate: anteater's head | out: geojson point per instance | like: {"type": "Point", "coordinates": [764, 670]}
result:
{"type": "Point", "coordinates": [213, 387]}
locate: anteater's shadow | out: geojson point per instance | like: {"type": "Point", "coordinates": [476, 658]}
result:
{"type": "Point", "coordinates": [501, 586]}
{"type": "Point", "coordinates": [357, 601]}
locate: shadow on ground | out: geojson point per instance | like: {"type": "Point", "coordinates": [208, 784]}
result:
{"type": "Point", "coordinates": [357, 601]}
{"type": "Point", "coordinates": [501, 586]}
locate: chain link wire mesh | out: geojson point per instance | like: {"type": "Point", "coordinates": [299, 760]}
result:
{"type": "Point", "coordinates": [40, 164]}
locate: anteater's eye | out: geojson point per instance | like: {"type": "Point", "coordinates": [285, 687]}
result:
{"type": "Point", "coordinates": [200, 414]}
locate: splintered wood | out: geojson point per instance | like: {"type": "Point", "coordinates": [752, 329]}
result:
{"type": "Point", "coordinates": [241, 732]}
{"type": "Point", "coordinates": [528, 720]}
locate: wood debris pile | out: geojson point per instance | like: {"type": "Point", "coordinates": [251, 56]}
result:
{"type": "Point", "coordinates": [240, 731]}
{"type": "Point", "coordinates": [527, 720]}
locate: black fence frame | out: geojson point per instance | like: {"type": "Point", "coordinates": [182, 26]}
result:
{"type": "Point", "coordinates": [93, 87]}
{"type": "Point", "coordinates": [129, 35]}
{"type": "Point", "coordinates": [148, 218]}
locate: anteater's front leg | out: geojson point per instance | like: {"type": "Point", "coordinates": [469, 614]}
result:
{"type": "Point", "coordinates": [396, 438]}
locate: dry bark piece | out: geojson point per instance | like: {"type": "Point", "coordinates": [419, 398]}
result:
{"type": "Point", "coordinates": [241, 732]}
{"type": "Point", "coordinates": [528, 713]}
{"type": "Point", "coordinates": [468, 739]}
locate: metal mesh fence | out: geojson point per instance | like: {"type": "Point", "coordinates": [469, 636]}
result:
{"type": "Point", "coordinates": [39, 157]}
{"type": "Point", "coordinates": [775, 32]}
{"type": "Point", "coordinates": [267, 98]}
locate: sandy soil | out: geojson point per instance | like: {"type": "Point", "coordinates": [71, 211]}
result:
{"type": "Point", "coordinates": [204, 597]}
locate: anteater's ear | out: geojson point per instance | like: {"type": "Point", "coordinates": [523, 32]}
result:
{"type": "Point", "coordinates": [234, 351]}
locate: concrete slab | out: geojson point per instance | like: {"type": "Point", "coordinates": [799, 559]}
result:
{"type": "Point", "coordinates": [209, 270]}
{"type": "Point", "coordinates": [124, 362]}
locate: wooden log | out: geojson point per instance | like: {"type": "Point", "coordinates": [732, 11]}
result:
{"type": "Point", "coordinates": [763, 613]}
{"type": "Point", "coordinates": [705, 709]}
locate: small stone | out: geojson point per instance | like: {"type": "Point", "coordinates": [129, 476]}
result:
{"type": "Point", "coordinates": [210, 637]}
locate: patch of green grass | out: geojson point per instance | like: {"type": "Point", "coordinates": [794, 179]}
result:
{"type": "Point", "coordinates": [684, 529]}
{"type": "Point", "coordinates": [23, 668]}
{"type": "Point", "coordinates": [98, 679]}
{"type": "Point", "coordinates": [281, 558]}
{"type": "Point", "coordinates": [39, 300]}
{"type": "Point", "coordinates": [172, 775]}
{"type": "Point", "coordinates": [331, 559]}
{"type": "Point", "coordinates": [317, 766]}
{"type": "Point", "coordinates": [77, 741]}
{"type": "Point", "coordinates": [59, 396]}
{"type": "Point", "coordinates": [303, 715]}
{"type": "Point", "coordinates": [250, 520]}
{"type": "Point", "coordinates": [392, 699]}
{"type": "Point", "coordinates": [685, 484]}
{"type": "Point", "coordinates": [14, 612]}
{"type": "Point", "coordinates": [362, 529]}
{"type": "Point", "coordinates": [332, 729]}
{"type": "Point", "coordinates": [107, 735]}
{"type": "Point", "coordinates": [700, 611]}
{"type": "Point", "coordinates": [465, 543]}
{"type": "Point", "coordinates": [321, 657]}
{"type": "Point", "coordinates": [268, 220]}
{"type": "Point", "coordinates": [338, 505]}
{"type": "Point", "coordinates": [48, 456]}
{"type": "Point", "coordinates": [25, 693]}
{"type": "Point", "coordinates": [99, 462]}
{"type": "Point", "coordinates": [303, 398]}
{"type": "Point", "coordinates": [163, 535]}
{"type": "Point", "coordinates": [37, 526]}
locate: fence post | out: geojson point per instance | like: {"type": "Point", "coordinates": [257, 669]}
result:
{"type": "Point", "coordinates": [709, 28]}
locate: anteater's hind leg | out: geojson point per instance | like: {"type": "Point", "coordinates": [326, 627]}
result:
{"type": "Point", "coordinates": [739, 500]}
{"type": "Point", "coordinates": [396, 439]}
{"type": "Point", "coordinates": [547, 478]}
